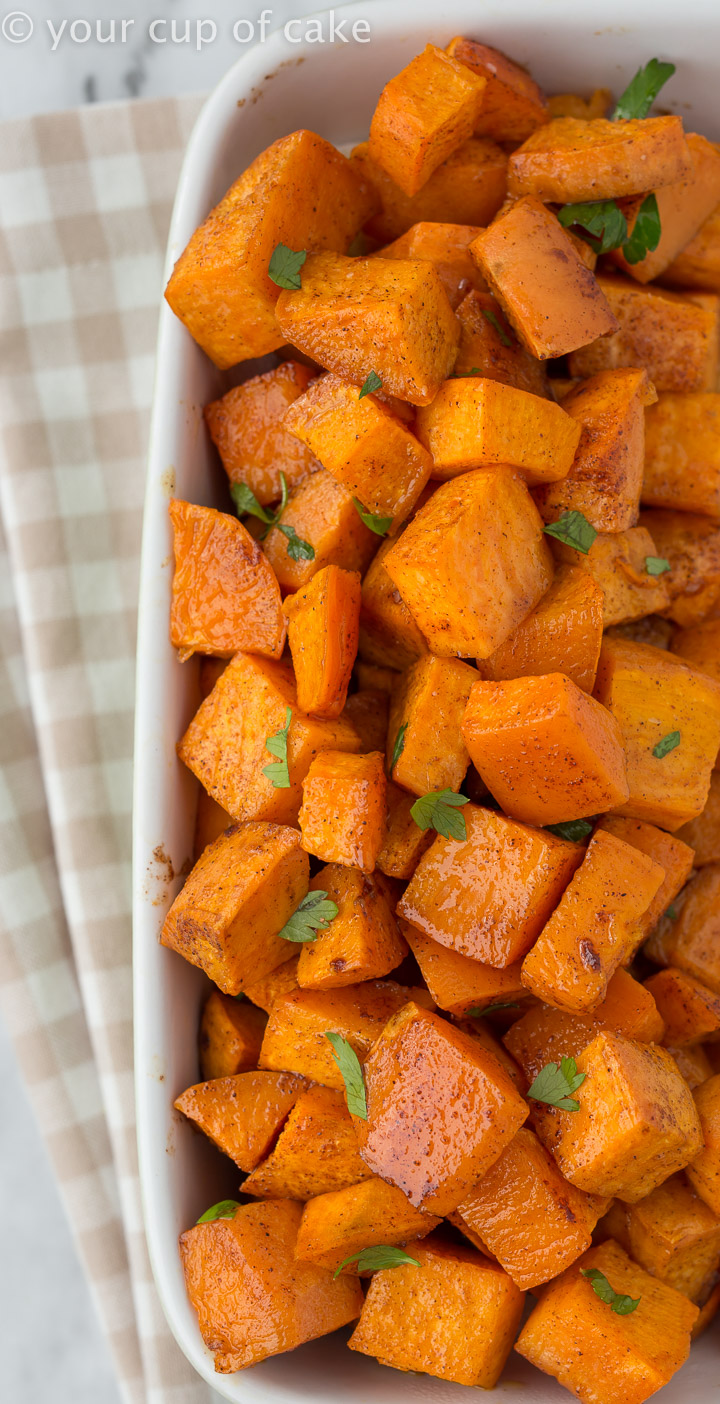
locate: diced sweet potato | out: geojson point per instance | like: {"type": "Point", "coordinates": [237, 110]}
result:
{"type": "Point", "coordinates": [674, 1236]}
{"type": "Point", "coordinates": [459, 984]}
{"type": "Point", "coordinates": [682, 454]}
{"type": "Point", "coordinates": [674, 338]}
{"type": "Point", "coordinates": [513, 105]}
{"type": "Point", "coordinates": [698, 266]}
{"type": "Point", "coordinates": [489, 898]}
{"type": "Point", "coordinates": [690, 1010]}
{"type": "Point", "coordinates": [242, 1115]}
{"type": "Point", "coordinates": [595, 926]}
{"type": "Point", "coordinates": [454, 1316]}
{"type": "Point", "coordinates": [542, 283]}
{"type": "Point", "coordinates": [468, 188]}
{"type": "Point", "coordinates": [546, 750]}
{"type": "Point", "coordinates": [389, 635]}
{"type": "Point", "coordinates": [618, 562]}
{"type": "Point", "coordinates": [315, 1153]}
{"type": "Point", "coordinates": [440, 1110]}
{"type": "Point", "coordinates": [423, 115]}
{"type": "Point", "coordinates": [356, 315]}
{"type": "Point", "coordinates": [367, 712]}
{"type": "Point", "coordinates": [323, 629]}
{"type": "Point", "coordinates": [689, 936]}
{"type": "Point", "coordinates": [704, 1171]}
{"type": "Point", "coordinates": [599, 1356]}
{"type": "Point", "coordinates": [230, 1036]}
{"type": "Point", "coordinates": [249, 1259]}
{"type": "Point", "coordinates": [668, 850]}
{"type": "Point", "coordinates": [342, 819]}
{"type": "Point", "coordinates": [472, 563]}
{"type": "Point", "coordinates": [585, 109]}
{"type": "Point", "coordinates": [295, 1036]}
{"type": "Point", "coordinates": [652, 694]}
{"type": "Point", "coordinates": [703, 834]}
{"type": "Point", "coordinates": [404, 842]}
{"type": "Point", "coordinates": [692, 1063]}
{"type": "Point", "coordinates": [526, 1215]}
{"type": "Point", "coordinates": [281, 981]}
{"type": "Point", "coordinates": [324, 515]}
{"type": "Point", "coordinates": [211, 820]}
{"type": "Point", "coordinates": [446, 246]}
{"type": "Point", "coordinates": [224, 744]}
{"type": "Point", "coordinates": [637, 1122]}
{"type": "Point", "coordinates": [489, 347]}
{"type": "Point", "coordinates": [427, 707]}
{"type": "Point", "coordinates": [692, 546]}
{"type": "Point", "coordinates": [247, 428]}
{"type": "Point", "coordinates": [562, 635]}
{"type": "Point", "coordinates": [374, 677]}
{"type": "Point", "coordinates": [225, 596]}
{"type": "Point", "coordinates": [335, 1226]}
{"type": "Point", "coordinates": [683, 208]}
{"type": "Point", "coordinates": [363, 444]}
{"type": "Point", "coordinates": [300, 192]}
{"type": "Point", "coordinates": [363, 941]}
{"type": "Point", "coordinates": [479, 423]}
{"type": "Point", "coordinates": [605, 479]}
{"type": "Point", "coordinates": [239, 895]}
{"type": "Point", "coordinates": [572, 160]}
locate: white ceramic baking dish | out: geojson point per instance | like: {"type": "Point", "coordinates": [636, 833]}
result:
{"type": "Point", "coordinates": [570, 45]}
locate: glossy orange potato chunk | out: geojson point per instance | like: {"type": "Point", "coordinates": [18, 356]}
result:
{"type": "Point", "coordinates": [489, 347]}
{"type": "Point", "coordinates": [282, 980]}
{"type": "Point", "coordinates": [404, 842]}
{"type": "Point", "coordinates": [427, 706]}
{"type": "Point", "coordinates": [424, 114]}
{"type": "Point", "coordinates": [489, 898]}
{"type": "Point", "coordinates": [698, 266]}
{"type": "Point", "coordinates": [389, 636]}
{"type": "Point", "coordinates": [323, 630]}
{"type": "Point", "coordinates": [683, 207]}
{"type": "Point", "coordinates": [572, 105]}
{"type": "Point", "coordinates": [300, 192]}
{"type": "Point", "coordinates": [617, 562]}
{"type": "Point", "coordinates": [668, 850]}
{"type": "Point", "coordinates": [315, 1153]}
{"type": "Point", "coordinates": [440, 1110]}
{"type": "Point", "coordinates": [546, 750]}
{"type": "Point", "coordinates": [454, 1316]}
{"type": "Point", "coordinates": [230, 1036]}
{"type": "Point", "coordinates": [513, 105]}
{"type": "Point", "coordinates": [682, 454]}
{"type": "Point", "coordinates": [691, 543]}
{"type": "Point", "coordinates": [239, 895]}
{"type": "Point", "coordinates": [324, 515]}
{"type": "Point", "coordinates": [334, 1226]}
{"type": "Point", "coordinates": [572, 160]}
{"type": "Point", "coordinates": [674, 338]}
{"type": "Point", "coordinates": [703, 834]}
{"type": "Point", "coordinates": [242, 1115]}
{"type": "Point", "coordinates": [363, 941]}
{"type": "Point", "coordinates": [704, 1171]}
{"type": "Point", "coordinates": [479, 423]}
{"type": "Point", "coordinates": [674, 1236]}
{"type": "Point", "coordinates": [691, 1012]}
{"type": "Point", "coordinates": [468, 188]}
{"type": "Point", "coordinates": [562, 635]}
{"type": "Point", "coordinates": [458, 984]}
{"type": "Point", "coordinates": [247, 428]}
{"type": "Point", "coordinates": [689, 936]}
{"type": "Point", "coordinates": [250, 1259]}
{"type": "Point", "coordinates": [446, 247]}
{"type": "Point", "coordinates": [211, 820]}
{"type": "Point", "coordinates": [225, 596]}
{"type": "Point", "coordinates": [342, 818]}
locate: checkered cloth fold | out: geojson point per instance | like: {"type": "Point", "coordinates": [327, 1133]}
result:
{"type": "Point", "coordinates": [85, 200]}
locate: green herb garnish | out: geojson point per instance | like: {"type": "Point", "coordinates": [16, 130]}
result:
{"type": "Point", "coordinates": [224, 1209]}
{"type": "Point", "coordinates": [375, 1259]}
{"type": "Point", "coordinates": [438, 810]}
{"type": "Point", "coordinates": [555, 1082]}
{"type": "Point", "coordinates": [656, 565]}
{"type": "Point", "coordinates": [352, 1074]}
{"type": "Point", "coordinates": [617, 1301]}
{"type": "Point", "coordinates": [574, 529]}
{"type": "Point", "coordinates": [370, 385]}
{"type": "Point", "coordinates": [495, 322]}
{"type": "Point", "coordinates": [247, 505]}
{"type": "Point", "coordinates": [573, 829]}
{"type": "Point", "coordinates": [646, 232]}
{"type": "Point", "coordinates": [314, 914]}
{"type": "Point", "coordinates": [277, 746]}
{"type": "Point", "coordinates": [641, 93]}
{"type": "Point", "coordinates": [666, 744]}
{"type": "Point", "coordinates": [399, 746]}
{"type": "Point", "coordinates": [297, 549]}
{"type": "Point", "coordinates": [284, 267]}
{"type": "Point", "coordinates": [490, 1009]}
{"type": "Point", "coordinates": [380, 525]}
{"type": "Point", "coordinates": [602, 223]}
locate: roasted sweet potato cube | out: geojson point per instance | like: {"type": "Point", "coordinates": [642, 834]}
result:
{"type": "Point", "coordinates": [598, 1355]}
{"type": "Point", "coordinates": [690, 1010]}
{"type": "Point", "coordinates": [368, 712]}
{"type": "Point", "coordinates": [674, 1236]}
{"type": "Point", "coordinates": [211, 820]}
{"type": "Point", "coordinates": [357, 315]}
{"type": "Point", "coordinates": [230, 1036]}
{"type": "Point", "coordinates": [224, 744]}
{"type": "Point", "coordinates": [468, 188]}
{"type": "Point", "coordinates": [691, 544]}
{"type": "Point", "coordinates": [668, 850]}
{"type": "Point", "coordinates": [342, 819]}
{"type": "Point", "coordinates": [489, 347]}
{"type": "Point", "coordinates": [652, 695]}
{"type": "Point", "coordinates": [363, 941]}
{"type": "Point", "coordinates": [440, 1110]}
{"type": "Point", "coordinates": [281, 981]}
{"type": "Point", "coordinates": [247, 428]}
{"type": "Point", "coordinates": [682, 453]}
{"type": "Point", "coordinates": [423, 115]}
{"type": "Point", "coordinates": [404, 842]}
{"type": "Point", "coordinates": [605, 479]}
{"type": "Point", "coordinates": [617, 561]}
{"type": "Point", "coordinates": [454, 1316]}
{"type": "Point", "coordinates": [692, 1063]}
{"type": "Point", "coordinates": [239, 895]}
{"type": "Point", "coordinates": [572, 160]}
{"type": "Point", "coordinates": [300, 192]}
{"type": "Point", "coordinates": [674, 338]}
{"type": "Point", "coordinates": [513, 105]}
{"type": "Point", "coordinates": [703, 834]}
{"type": "Point", "coordinates": [526, 1215]}
{"type": "Point", "coordinates": [637, 1122]}
{"type": "Point", "coordinates": [489, 898]}
{"type": "Point", "coordinates": [546, 750]}
{"type": "Point", "coordinates": [543, 1034]}
{"type": "Point", "coordinates": [683, 208]}
{"type": "Point", "coordinates": [389, 635]}
{"type": "Point", "coordinates": [295, 1036]}
{"type": "Point", "coordinates": [551, 298]}
{"type": "Point", "coordinates": [315, 1153]}
{"type": "Point", "coordinates": [225, 596]}
{"type": "Point", "coordinates": [242, 1115]}
{"type": "Point", "coordinates": [363, 444]}
{"type": "Point", "coordinates": [425, 749]}
{"type": "Point", "coordinates": [323, 629]}
{"type": "Point", "coordinates": [698, 266]}
{"type": "Point", "coordinates": [479, 423]}
{"type": "Point", "coordinates": [472, 563]}
{"type": "Point", "coordinates": [322, 514]}
{"type": "Point", "coordinates": [704, 1170]}
{"type": "Point", "coordinates": [562, 635]}
{"type": "Point", "coordinates": [250, 1259]}
{"type": "Point", "coordinates": [446, 246]}
{"type": "Point", "coordinates": [335, 1226]}
{"type": "Point", "coordinates": [572, 105]}
{"type": "Point", "coordinates": [595, 926]}
{"type": "Point", "coordinates": [687, 937]}
{"type": "Point", "coordinates": [458, 984]}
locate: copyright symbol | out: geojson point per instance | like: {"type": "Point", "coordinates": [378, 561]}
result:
{"type": "Point", "coordinates": [17, 27]}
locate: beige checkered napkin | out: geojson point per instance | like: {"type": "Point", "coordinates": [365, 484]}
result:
{"type": "Point", "coordinates": [85, 201]}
